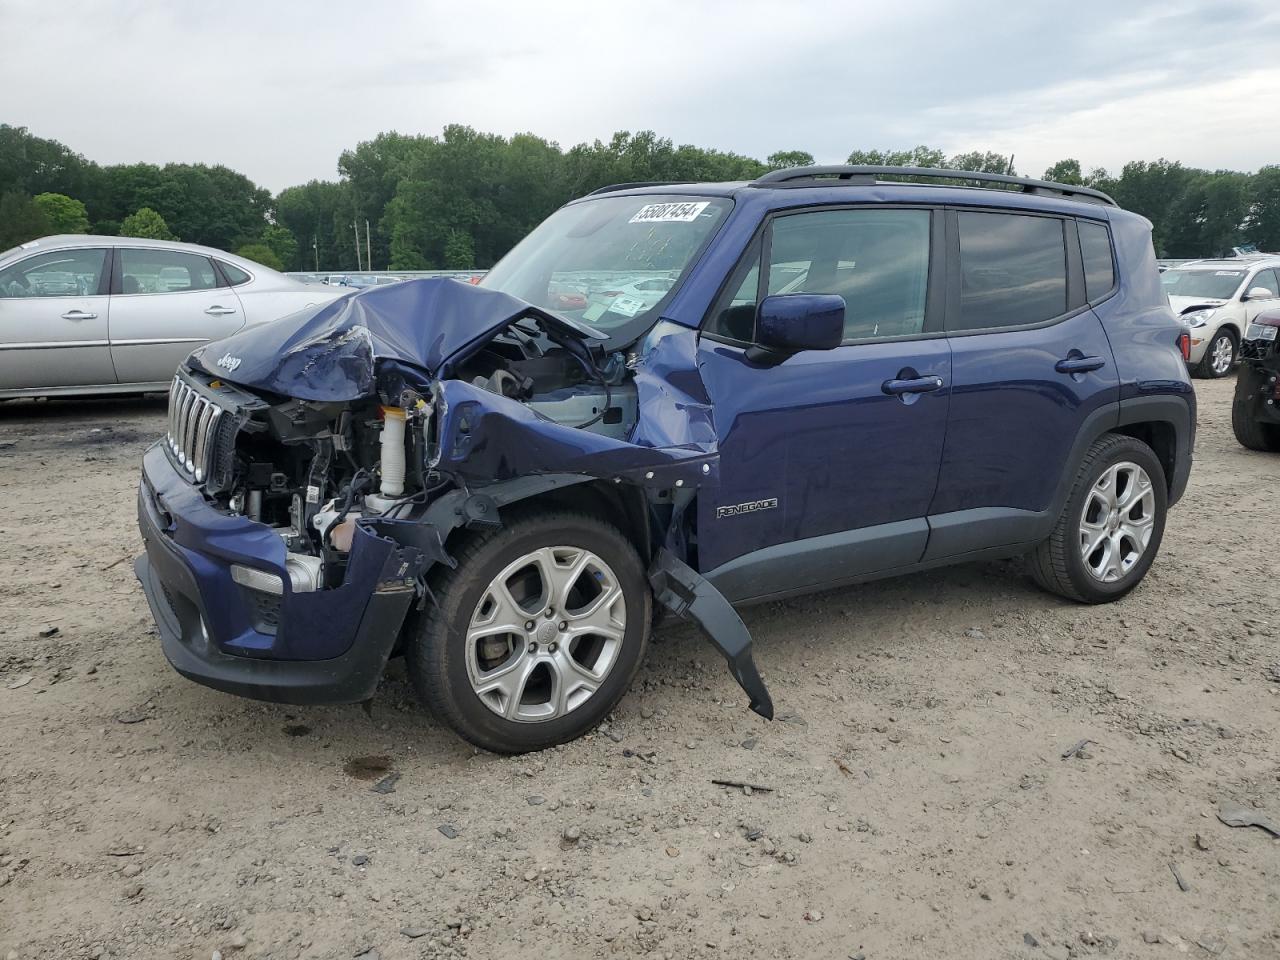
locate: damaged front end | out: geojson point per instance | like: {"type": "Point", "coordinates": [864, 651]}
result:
{"type": "Point", "coordinates": [315, 468]}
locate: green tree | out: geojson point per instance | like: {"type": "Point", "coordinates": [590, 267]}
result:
{"type": "Point", "coordinates": [146, 223]}
{"type": "Point", "coordinates": [1065, 171]}
{"type": "Point", "coordinates": [281, 241]}
{"type": "Point", "coordinates": [789, 158]}
{"type": "Point", "coordinates": [1262, 225]}
{"type": "Point", "coordinates": [920, 156]}
{"type": "Point", "coordinates": [64, 214]}
{"type": "Point", "coordinates": [981, 161]}
{"type": "Point", "coordinates": [20, 220]}
{"type": "Point", "coordinates": [459, 252]}
{"type": "Point", "coordinates": [318, 215]}
{"type": "Point", "coordinates": [33, 165]}
{"type": "Point", "coordinates": [260, 253]}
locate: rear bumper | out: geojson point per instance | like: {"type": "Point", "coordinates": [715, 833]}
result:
{"type": "Point", "coordinates": [329, 646]}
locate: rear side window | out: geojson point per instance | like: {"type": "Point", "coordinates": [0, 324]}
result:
{"type": "Point", "coordinates": [164, 271]}
{"type": "Point", "coordinates": [1013, 270]}
{"type": "Point", "coordinates": [235, 276]}
{"type": "Point", "coordinates": [1095, 251]}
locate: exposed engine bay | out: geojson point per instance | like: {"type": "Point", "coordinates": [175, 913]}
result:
{"type": "Point", "coordinates": [310, 469]}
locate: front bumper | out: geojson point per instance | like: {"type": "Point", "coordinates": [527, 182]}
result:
{"type": "Point", "coordinates": [329, 646]}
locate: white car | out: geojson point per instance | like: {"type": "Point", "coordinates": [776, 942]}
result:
{"type": "Point", "coordinates": [1216, 300]}
{"type": "Point", "coordinates": [96, 315]}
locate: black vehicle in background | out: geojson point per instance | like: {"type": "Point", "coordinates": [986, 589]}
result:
{"type": "Point", "coordinates": [1255, 411]}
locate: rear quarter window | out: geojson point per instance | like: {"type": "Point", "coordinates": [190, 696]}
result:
{"type": "Point", "coordinates": [235, 276]}
{"type": "Point", "coordinates": [1099, 265]}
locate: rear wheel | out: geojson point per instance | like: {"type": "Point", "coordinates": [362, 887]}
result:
{"type": "Point", "coordinates": [1251, 432]}
{"type": "Point", "coordinates": [1218, 356]}
{"type": "Point", "coordinates": [536, 635]}
{"type": "Point", "coordinates": [1111, 526]}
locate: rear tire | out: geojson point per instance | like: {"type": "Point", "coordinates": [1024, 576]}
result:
{"type": "Point", "coordinates": [1111, 526]}
{"type": "Point", "coordinates": [576, 641]}
{"type": "Point", "coordinates": [1251, 432]}
{"type": "Point", "coordinates": [1219, 356]}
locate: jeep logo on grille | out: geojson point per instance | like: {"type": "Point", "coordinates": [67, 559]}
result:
{"type": "Point", "coordinates": [751, 506]}
{"type": "Point", "coordinates": [228, 362]}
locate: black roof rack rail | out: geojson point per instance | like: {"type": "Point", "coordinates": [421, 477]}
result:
{"type": "Point", "coordinates": [613, 187]}
{"type": "Point", "coordinates": [867, 175]}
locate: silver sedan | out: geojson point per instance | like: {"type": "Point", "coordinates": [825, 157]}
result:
{"type": "Point", "coordinates": [94, 315]}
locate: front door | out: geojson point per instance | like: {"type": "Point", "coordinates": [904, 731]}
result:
{"type": "Point", "coordinates": [164, 304]}
{"type": "Point", "coordinates": [53, 321]}
{"type": "Point", "coordinates": [828, 461]}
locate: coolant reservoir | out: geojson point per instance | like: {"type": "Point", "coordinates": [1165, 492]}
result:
{"type": "Point", "coordinates": [393, 419]}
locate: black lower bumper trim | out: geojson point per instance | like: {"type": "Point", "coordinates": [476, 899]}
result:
{"type": "Point", "coordinates": [174, 597]}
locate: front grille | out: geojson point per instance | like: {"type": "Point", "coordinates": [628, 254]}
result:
{"type": "Point", "coordinates": [194, 422]}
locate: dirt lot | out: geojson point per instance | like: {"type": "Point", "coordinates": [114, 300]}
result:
{"type": "Point", "coordinates": [920, 805]}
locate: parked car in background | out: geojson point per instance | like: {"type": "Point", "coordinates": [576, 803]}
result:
{"type": "Point", "coordinates": [1255, 409]}
{"type": "Point", "coordinates": [95, 315]}
{"type": "Point", "coordinates": [1216, 300]}
{"type": "Point", "coordinates": [506, 491]}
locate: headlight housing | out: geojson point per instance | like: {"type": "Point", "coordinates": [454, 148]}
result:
{"type": "Point", "coordinates": [1196, 318]}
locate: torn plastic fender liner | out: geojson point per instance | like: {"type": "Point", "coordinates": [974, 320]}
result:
{"type": "Point", "coordinates": [680, 589]}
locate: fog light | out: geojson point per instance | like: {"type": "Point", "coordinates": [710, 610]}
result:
{"type": "Point", "coordinates": [256, 579]}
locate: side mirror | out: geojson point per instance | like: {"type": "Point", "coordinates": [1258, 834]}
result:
{"type": "Point", "coordinates": [789, 323]}
{"type": "Point", "coordinates": [1259, 293]}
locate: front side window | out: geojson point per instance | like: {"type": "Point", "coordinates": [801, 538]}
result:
{"type": "Point", "coordinates": [608, 262]}
{"type": "Point", "coordinates": [876, 260]}
{"type": "Point", "coordinates": [58, 273]}
{"type": "Point", "coordinates": [164, 271]}
{"type": "Point", "coordinates": [1095, 253]}
{"type": "Point", "coordinates": [1013, 270]}
{"type": "Point", "coordinates": [1265, 280]}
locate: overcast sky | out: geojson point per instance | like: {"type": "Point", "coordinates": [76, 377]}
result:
{"type": "Point", "coordinates": [278, 89]}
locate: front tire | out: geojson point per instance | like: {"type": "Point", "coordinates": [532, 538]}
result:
{"type": "Point", "coordinates": [536, 634]}
{"type": "Point", "coordinates": [1111, 526]}
{"type": "Point", "coordinates": [1218, 357]}
{"type": "Point", "coordinates": [1251, 432]}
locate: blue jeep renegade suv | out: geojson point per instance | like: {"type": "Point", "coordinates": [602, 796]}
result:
{"type": "Point", "coordinates": [668, 398]}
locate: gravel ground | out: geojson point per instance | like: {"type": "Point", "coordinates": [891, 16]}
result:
{"type": "Point", "coordinates": [918, 806]}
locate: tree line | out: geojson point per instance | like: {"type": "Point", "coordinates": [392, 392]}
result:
{"type": "Point", "coordinates": [460, 200]}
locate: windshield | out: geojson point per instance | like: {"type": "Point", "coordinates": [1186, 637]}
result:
{"type": "Point", "coordinates": [609, 263]}
{"type": "Point", "coordinates": [1205, 284]}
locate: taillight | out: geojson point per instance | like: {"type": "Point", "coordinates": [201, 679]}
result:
{"type": "Point", "coordinates": [1184, 344]}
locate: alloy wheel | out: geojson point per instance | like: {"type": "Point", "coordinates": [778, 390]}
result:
{"type": "Point", "coordinates": [1224, 352]}
{"type": "Point", "coordinates": [545, 634]}
{"type": "Point", "coordinates": [1117, 521]}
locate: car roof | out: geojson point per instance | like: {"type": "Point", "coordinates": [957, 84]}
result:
{"type": "Point", "coordinates": [1230, 263]}
{"type": "Point", "coordinates": [810, 192]}
{"type": "Point", "coordinates": [68, 241]}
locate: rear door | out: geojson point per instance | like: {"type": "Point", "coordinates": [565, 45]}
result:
{"type": "Point", "coordinates": [54, 320]}
{"type": "Point", "coordinates": [164, 304]}
{"type": "Point", "coordinates": [1031, 365]}
{"type": "Point", "coordinates": [828, 461]}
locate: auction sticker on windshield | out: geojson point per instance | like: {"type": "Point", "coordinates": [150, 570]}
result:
{"type": "Point", "coordinates": [669, 212]}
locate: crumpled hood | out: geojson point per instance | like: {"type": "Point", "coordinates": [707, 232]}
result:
{"type": "Point", "coordinates": [331, 352]}
{"type": "Point", "coordinates": [1181, 305]}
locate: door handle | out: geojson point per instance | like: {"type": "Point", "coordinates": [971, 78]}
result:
{"type": "Point", "coordinates": [896, 388]}
{"type": "Point", "coordinates": [219, 311]}
{"type": "Point", "coordinates": [79, 315]}
{"type": "Point", "coordinates": [1079, 364]}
